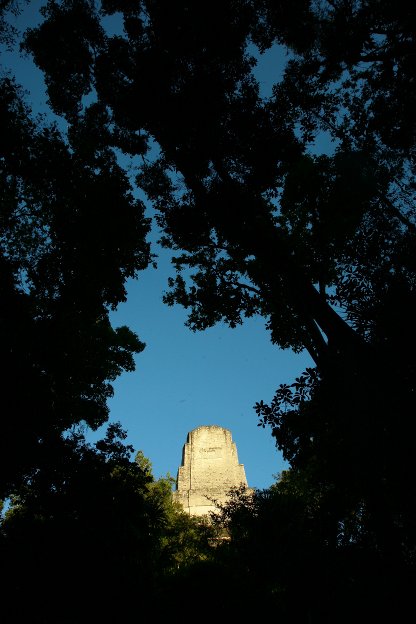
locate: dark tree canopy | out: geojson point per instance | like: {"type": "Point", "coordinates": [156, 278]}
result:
{"type": "Point", "coordinates": [268, 226]}
{"type": "Point", "coordinates": [319, 244]}
{"type": "Point", "coordinates": [263, 224]}
{"type": "Point", "coordinates": [71, 235]}
{"type": "Point", "coordinates": [92, 535]}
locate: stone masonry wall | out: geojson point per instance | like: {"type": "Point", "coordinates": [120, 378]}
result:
{"type": "Point", "coordinates": [209, 469]}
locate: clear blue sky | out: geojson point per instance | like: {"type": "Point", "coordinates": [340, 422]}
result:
{"type": "Point", "coordinates": [185, 379]}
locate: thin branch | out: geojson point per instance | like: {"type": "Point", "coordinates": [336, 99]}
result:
{"type": "Point", "coordinates": [395, 212]}
{"type": "Point", "coordinates": [248, 287]}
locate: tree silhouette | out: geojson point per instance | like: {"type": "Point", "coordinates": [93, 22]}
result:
{"type": "Point", "coordinates": [92, 521]}
{"type": "Point", "coordinates": [71, 236]}
{"type": "Point", "coordinates": [320, 245]}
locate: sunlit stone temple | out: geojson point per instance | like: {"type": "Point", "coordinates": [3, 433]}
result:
{"type": "Point", "coordinates": [209, 469]}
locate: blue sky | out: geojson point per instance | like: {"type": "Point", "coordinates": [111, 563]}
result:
{"type": "Point", "coordinates": [185, 379]}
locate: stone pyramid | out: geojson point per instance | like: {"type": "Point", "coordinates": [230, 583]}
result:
{"type": "Point", "coordinates": [209, 469]}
